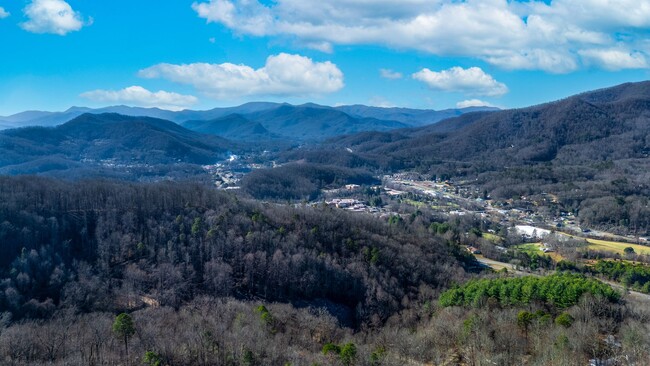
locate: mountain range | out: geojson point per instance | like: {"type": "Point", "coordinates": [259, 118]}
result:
{"type": "Point", "coordinates": [261, 120]}
{"type": "Point", "coordinates": [569, 140]}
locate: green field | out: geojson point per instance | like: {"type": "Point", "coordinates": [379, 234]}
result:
{"type": "Point", "coordinates": [493, 238]}
{"type": "Point", "coordinates": [536, 248]}
{"type": "Point", "coordinates": [613, 246]}
{"type": "Point", "coordinates": [616, 247]}
{"type": "Point", "coordinates": [417, 204]}
{"type": "Point", "coordinates": [530, 248]}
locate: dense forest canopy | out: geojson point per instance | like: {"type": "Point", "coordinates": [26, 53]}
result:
{"type": "Point", "coordinates": [98, 272]}
{"type": "Point", "coordinates": [62, 242]}
{"type": "Point", "coordinates": [561, 291]}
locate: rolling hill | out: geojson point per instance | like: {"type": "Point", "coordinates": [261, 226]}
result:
{"type": "Point", "coordinates": [106, 141]}
{"type": "Point", "coordinates": [308, 122]}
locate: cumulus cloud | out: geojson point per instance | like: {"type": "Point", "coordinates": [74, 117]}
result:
{"type": "Point", "coordinates": [390, 74]}
{"type": "Point", "coordinates": [3, 13]}
{"type": "Point", "coordinates": [472, 81]}
{"type": "Point", "coordinates": [248, 17]}
{"type": "Point", "coordinates": [139, 96]}
{"type": "Point", "coordinates": [535, 35]}
{"type": "Point", "coordinates": [52, 16]}
{"type": "Point", "coordinates": [282, 75]}
{"type": "Point", "coordinates": [473, 103]}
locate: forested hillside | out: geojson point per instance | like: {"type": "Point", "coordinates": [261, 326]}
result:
{"type": "Point", "coordinates": [63, 242]}
{"type": "Point", "coordinates": [591, 150]}
{"type": "Point", "coordinates": [201, 277]}
{"type": "Point", "coordinates": [109, 145]}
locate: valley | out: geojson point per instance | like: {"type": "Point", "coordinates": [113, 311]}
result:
{"type": "Point", "coordinates": [325, 183]}
{"type": "Point", "coordinates": [378, 240]}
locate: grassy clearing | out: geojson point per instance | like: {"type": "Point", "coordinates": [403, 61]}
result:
{"type": "Point", "coordinates": [612, 246]}
{"type": "Point", "coordinates": [530, 248]}
{"type": "Point", "coordinates": [536, 248]}
{"type": "Point", "coordinates": [493, 238]}
{"type": "Point", "coordinates": [414, 203]}
{"type": "Point", "coordinates": [555, 256]}
{"type": "Point", "coordinates": [616, 247]}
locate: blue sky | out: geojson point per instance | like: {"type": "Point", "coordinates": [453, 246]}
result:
{"type": "Point", "coordinates": [413, 53]}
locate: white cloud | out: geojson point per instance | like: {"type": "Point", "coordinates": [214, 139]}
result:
{"type": "Point", "coordinates": [613, 59]}
{"type": "Point", "coordinates": [471, 81]}
{"type": "Point", "coordinates": [139, 96]}
{"type": "Point", "coordinates": [282, 75]}
{"type": "Point", "coordinates": [3, 13]}
{"type": "Point", "coordinates": [325, 47]}
{"type": "Point", "coordinates": [473, 103]}
{"type": "Point", "coordinates": [390, 74]}
{"type": "Point", "coordinates": [249, 17]}
{"type": "Point", "coordinates": [52, 16]}
{"type": "Point", "coordinates": [602, 14]}
{"type": "Point", "coordinates": [510, 34]}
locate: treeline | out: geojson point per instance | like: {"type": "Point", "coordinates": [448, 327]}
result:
{"type": "Point", "coordinates": [635, 276]}
{"type": "Point", "coordinates": [560, 290]}
{"type": "Point", "coordinates": [109, 246]}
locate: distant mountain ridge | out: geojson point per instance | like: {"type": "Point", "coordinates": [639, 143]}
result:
{"type": "Point", "coordinates": [282, 121]}
{"type": "Point", "coordinates": [411, 117]}
{"type": "Point", "coordinates": [606, 124]}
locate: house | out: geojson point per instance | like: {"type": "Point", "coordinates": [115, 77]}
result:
{"type": "Point", "coordinates": [473, 250]}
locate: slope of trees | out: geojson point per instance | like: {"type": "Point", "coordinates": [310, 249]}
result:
{"type": "Point", "coordinates": [107, 246]}
{"type": "Point", "coordinates": [105, 273]}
